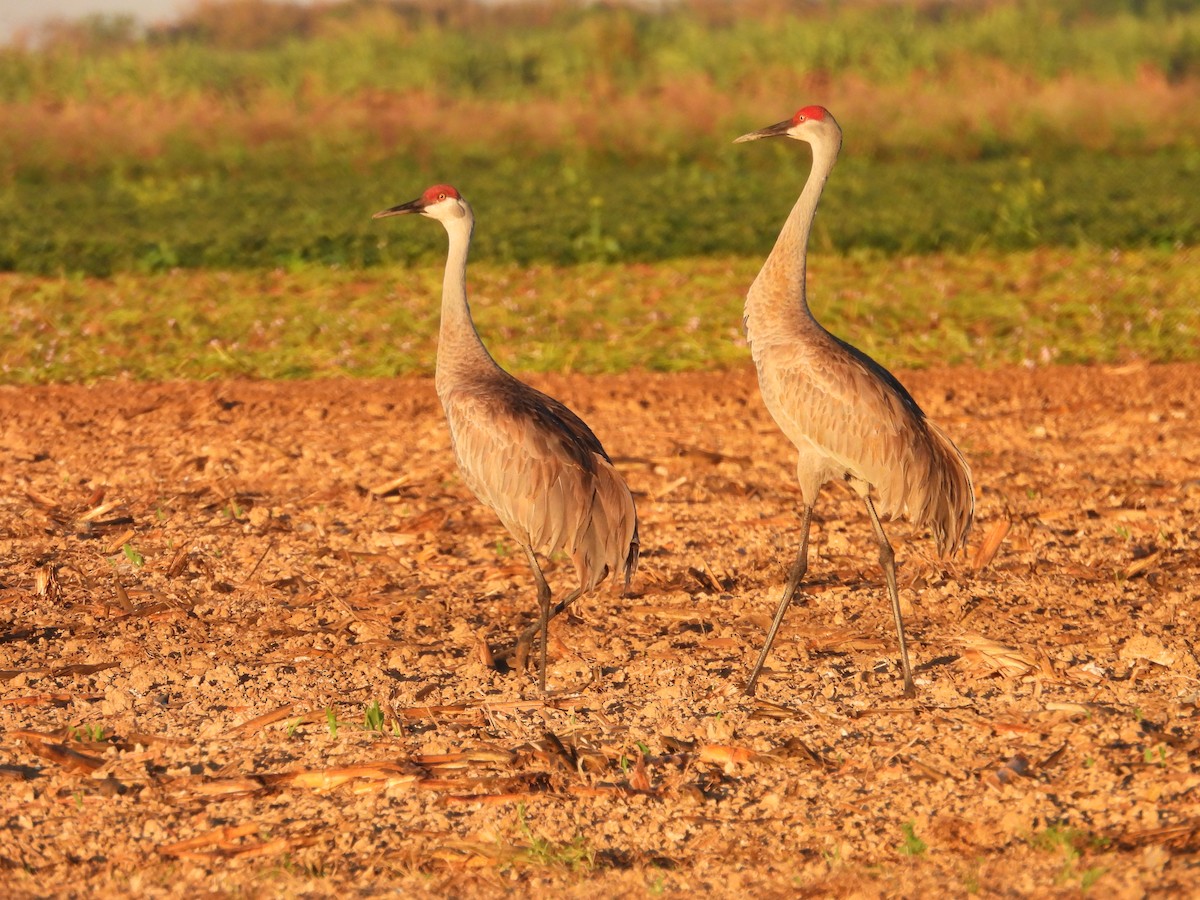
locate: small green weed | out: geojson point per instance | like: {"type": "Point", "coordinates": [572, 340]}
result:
{"type": "Point", "coordinates": [1089, 877]}
{"type": "Point", "coordinates": [135, 559]}
{"type": "Point", "coordinates": [94, 733]}
{"type": "Point", "coordinates": [971, 882]}
{"type": "Point", "coordinates": [1072, 843]}
{"type": "Point", "coordinates": [911, 845]}
{"type": "Point", "coordinates": [373, 719]}
{"type": "Point", "coordinates": [1056, 837]}
{"type": "Point", "coordinates": [1156, 755]}
{"type": "Point", "coordinates": [574, 855]}
{"type": "Point", "coordinates": [290, 866]}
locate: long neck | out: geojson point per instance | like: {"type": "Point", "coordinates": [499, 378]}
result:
{"type": "Point", "coordinates": [776, 304]}
{"type": "Point", "coordinates": [460, 351]}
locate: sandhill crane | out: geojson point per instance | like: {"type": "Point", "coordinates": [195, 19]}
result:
{"type": "Point", "coordinates": [524, 454]}
{"type": "Point", "coordinates": [847, 415]}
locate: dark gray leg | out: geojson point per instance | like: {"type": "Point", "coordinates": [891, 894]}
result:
{"type": "Point", "coordinates": [887, 559]}
{"type": "Point", "coordinates": [799, 568]}
{"type": "Point", "coordinates": [543, 622]}
{"type": "Point", "coordinates": [520, 650]}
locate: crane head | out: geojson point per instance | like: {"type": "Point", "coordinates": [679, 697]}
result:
{"type": "Point", "coordinates": [437, 202]}
{"type": "Point", "coordinates": [808, 123]}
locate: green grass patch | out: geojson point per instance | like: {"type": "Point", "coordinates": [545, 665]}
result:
{"type": "Point", "coordinates": [1074, 845]}
{"type": "Point", "coordinates": [984, 309]}
{"type": "Point", "coordinates": [551, 210]}
{"type": "Point", "coordinates": [532, 851]}
{"type": "Point", "coordinates": [911, 845]}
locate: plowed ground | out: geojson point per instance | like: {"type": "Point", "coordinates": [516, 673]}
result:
{"type": "Point", "coordinates": [206, 588]}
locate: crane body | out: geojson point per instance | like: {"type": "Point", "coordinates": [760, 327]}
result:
{"type": "Point", "coordinates": [524, 454]}
{"type": "Point", "coordinates": [848, 417]}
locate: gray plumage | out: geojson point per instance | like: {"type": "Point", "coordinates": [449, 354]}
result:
{"type": "Point", "coordinates": [848, 416]}
{"type": "Point", "coordinates": [524, 454]}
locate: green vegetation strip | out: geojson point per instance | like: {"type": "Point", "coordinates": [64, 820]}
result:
{"type": "Point", "coordinates": [983, 309]}
{"type": "Point", "coordinates": [257, 135]}
{"type": "Point", "coordinates": [546, 210]}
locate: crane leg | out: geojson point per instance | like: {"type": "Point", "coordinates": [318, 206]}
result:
{"type": "Point", "coordinates": [887, 559]}
{"type": "Point", "coordinates": [543, 622]}
{"type": "Point", "coordinates": [521, 648]}
{"type": "Point", "coordinates": [799, 568]}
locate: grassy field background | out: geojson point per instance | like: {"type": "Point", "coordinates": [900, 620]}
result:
{"type": "Point", "coordinates": [984, 309]}
{"type": "Point", "coordinates": [195, 199]}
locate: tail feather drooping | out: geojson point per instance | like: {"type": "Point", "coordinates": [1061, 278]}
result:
{"type": "Point", "coordinates": [950, 500]}
{"type": "Point", "coordinates": [608, 542]}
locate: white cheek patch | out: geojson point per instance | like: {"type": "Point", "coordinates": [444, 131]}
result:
{"type": "Point", "coordinates": [443, 209]}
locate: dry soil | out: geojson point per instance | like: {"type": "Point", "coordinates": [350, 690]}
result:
{"type": "Point", "coordinates": [244, 634]}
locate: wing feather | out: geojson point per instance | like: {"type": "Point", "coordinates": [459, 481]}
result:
{"type": "Point", "coordinates": [847, 414]}
{"type": "Point", "coordinates": [545, 474]}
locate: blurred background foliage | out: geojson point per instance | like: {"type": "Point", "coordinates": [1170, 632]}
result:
{"type": "Point", "coordinates": [1017, 185]}
{"type": "Point", "coordinates": [250, 134]}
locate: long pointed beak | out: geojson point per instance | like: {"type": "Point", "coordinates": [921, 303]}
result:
{"type": "Point", "coordinates": [412, 206]}
{"type": "Point", "coordinates": [776, 130]}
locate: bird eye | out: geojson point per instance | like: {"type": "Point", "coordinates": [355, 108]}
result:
{"type": "Point", "coordinates": [802, 118]}
{"type": "Point", "coordinates": [441, 196]}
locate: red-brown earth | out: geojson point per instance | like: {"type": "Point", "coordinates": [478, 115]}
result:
{"type": "Point", "coordinates": [205, 588]}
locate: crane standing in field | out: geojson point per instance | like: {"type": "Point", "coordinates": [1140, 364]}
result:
{"type": "Point", "coordinates": [848, 416]}
{"type": "Point", "coordinates": [524, 454]}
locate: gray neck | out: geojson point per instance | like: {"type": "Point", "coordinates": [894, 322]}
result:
{"type": "Point", "coordinates": [777, 303]}
{"type": "Point", "coordinates": [460, 351]}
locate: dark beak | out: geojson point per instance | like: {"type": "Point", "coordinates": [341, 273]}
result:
{"type": "Point", "coordinates": [412, 206]}
{"type": "Point", "coordinates": [776, 130]}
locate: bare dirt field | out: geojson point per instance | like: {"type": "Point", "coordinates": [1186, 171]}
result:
{"type": "Point", "coordinates": [244, 631]}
